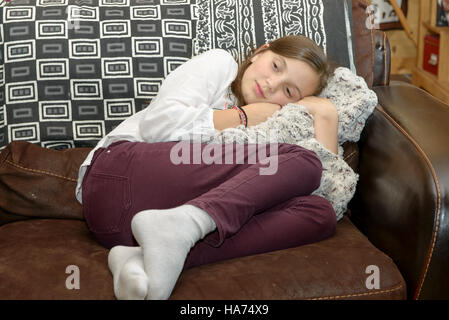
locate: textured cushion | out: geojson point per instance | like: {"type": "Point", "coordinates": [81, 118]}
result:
{"type": "Point", "coordinates": [73, 75]}
{"type": "Point", "coordinates": [239, 25]}
{"type": "Point", "coordinates": [353, 100]}
{"type": "Point", "coordinates": [35, 255]}
{"type": "Point", "coordinates": [48, 247]}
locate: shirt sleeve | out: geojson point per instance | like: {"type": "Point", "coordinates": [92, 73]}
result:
{"type": "Point", "coordinates": [182, 109]}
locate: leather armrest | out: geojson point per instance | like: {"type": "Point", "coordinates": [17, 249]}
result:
{"type": "Point", "coordinates": [401, 202]}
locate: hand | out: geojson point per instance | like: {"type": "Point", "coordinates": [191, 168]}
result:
{"type": "Point", "coordinates": [260, 112]}
{"type": "Point", "coordinates": [319, 106]}
{"type": "Point", "coordinates": [325, 121]}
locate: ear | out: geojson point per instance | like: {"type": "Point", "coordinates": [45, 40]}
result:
{"type": "Point", "coordinates": [259, 50]}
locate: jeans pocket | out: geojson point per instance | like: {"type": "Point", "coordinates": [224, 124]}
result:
{"type": "Point", "coordinates": [106, 202]}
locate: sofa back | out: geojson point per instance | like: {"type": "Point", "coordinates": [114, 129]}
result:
{"type": "Point", "coordinates": [371, 46]}
{"type": "Point", "coordinates": [72, 70]}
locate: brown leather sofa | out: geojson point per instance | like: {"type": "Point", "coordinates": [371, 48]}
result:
{"type": "Point", "coordinates": [397, 222]}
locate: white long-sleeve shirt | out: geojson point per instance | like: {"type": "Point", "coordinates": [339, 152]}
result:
{"type": "Point", "coordinates": [183, 108]}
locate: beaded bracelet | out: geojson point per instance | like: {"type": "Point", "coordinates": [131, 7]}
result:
{"type": "Point", "coordinates": [242, 115]}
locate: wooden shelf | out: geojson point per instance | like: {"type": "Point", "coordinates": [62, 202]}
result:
{"type": "Point", "coordinates": [437, 86]}
{"type": "Point", "coordinates": [435, 29]}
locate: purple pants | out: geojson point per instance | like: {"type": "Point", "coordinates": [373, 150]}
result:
{"type": "Point", "coordinates": [254, 212]}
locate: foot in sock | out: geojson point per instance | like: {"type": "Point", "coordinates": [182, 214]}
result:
{"type": "Point", "coordinates": [166, 237]}
{"type": "Point", "coordinates": [130, 279]}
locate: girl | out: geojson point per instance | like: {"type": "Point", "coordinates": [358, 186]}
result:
{"type": "Point", "coordinates": [160, 217]}
{"type": "Point", "coordinates": [134, 194]}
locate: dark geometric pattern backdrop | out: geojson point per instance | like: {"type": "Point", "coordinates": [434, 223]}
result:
{"type": "Point", "coordinates": [72, 70]}
{"type": "Point", "coordinates": [239, 25]}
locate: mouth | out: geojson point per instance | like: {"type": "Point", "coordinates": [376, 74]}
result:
{"type": "Point", "coordinates": [258, 90]}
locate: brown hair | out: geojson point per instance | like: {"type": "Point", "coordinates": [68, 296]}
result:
{"type": "Point", "coordinates": [297, 47]}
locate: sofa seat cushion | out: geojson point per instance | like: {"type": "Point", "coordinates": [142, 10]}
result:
{"type": "Point", "coordinates": [35, 254]}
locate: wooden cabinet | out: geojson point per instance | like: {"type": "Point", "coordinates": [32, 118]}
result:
{"type": "Point", "coordinates": [437, 85]}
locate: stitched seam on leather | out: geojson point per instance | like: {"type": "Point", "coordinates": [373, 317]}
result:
{"type": "Point", "coordinates": [41, 172]}
{"type": "Point", "coordinates": [350, 155]}
{"type": "Point", "coordinates": [4, 154]}
{"type": "Point", "coordinates": [372, 56]}
{"type": "Point", "coordinates": [385, 59]}
{"type": "Point", "coordinates": [437, 223]}
{"type": "Point", "coordinates": [359, 294]}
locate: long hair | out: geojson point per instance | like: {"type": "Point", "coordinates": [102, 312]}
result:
{"type": "Point", "coordinates": [296, 47]}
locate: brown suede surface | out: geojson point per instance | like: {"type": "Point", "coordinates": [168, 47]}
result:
{"type": "Point", "coordinates": [332, 269]}
{"type": "Point", "coordinates": [34, 255]}
{"type": "Point", "coordinates": [36, 182]}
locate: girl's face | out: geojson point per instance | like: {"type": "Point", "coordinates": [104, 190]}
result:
{"type": "Point", "coordinates": [277, 79]}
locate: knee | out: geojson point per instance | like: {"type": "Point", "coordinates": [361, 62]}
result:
{"type": "Point", "coordinates": [313, 164]}
{"type": "Point", "coordinates": [325, 216]}
{"type": "Point", "coordinates": [320, 215]}
{"type": "Point", "coordinates": [308, 159]}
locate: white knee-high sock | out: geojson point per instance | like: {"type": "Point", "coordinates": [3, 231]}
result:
{"type": "Point", "coordinates": [166, 237]}
{"type": "Point", "coordinates": [130, 279]}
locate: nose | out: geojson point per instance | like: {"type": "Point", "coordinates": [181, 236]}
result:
{"type": "Point", "coordinates": [273, 83]}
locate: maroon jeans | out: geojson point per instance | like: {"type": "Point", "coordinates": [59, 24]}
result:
{"type": "Point", "coordinates": [254, 212]}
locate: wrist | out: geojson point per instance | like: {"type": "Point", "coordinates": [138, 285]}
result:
{"type": "Point", "coordinates": [242, 114]}
{"type": "Point", "coordinates": [228, 118]}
